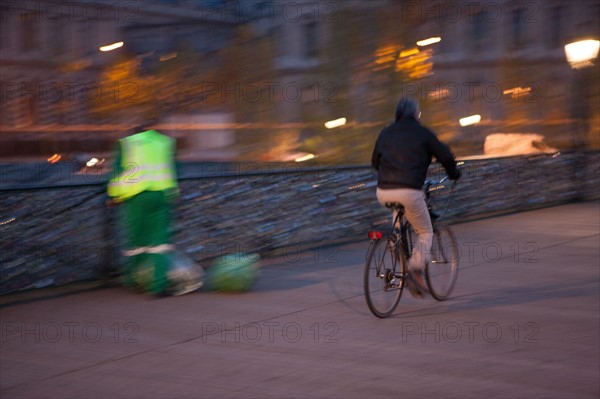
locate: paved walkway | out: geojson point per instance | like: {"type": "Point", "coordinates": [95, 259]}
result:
{"type": "Point", "coordinates": [523, 322]}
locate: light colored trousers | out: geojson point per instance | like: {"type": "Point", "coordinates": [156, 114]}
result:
{"type": "Point", "coordinates": [415, 210]}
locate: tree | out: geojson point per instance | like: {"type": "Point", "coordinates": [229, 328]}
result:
{"type": "Point", "coordinates": [124, 93]}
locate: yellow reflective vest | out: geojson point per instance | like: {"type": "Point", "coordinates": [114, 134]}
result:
{"type": "Point", "coordinates": [147, 163]}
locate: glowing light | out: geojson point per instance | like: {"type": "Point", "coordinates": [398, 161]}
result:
{"type": "Point", "coordinates": [469, 120]}
{"type": "Point", "coordinates": [518, 92]}
{"type": "Point", "coordinates": [168, 57]}
{"type": "Point", "coordinates": [305, 157]}
{"type": "Point", "coordinates": [409, 52]}
{"type": "Point", "coordinates": [335, 123]}
{"type": "Point", "coordinates": [385, 51]}
{"type": "Point", "coordinates": [429, 41]}
{"type": "Point", "coordinates": [385, 55]}
{"type": "Point", "coordinates": [356, 186]}
{"type": "Point", "coordinates": [375, 235]}
{"type": "Point", "coordinates": [54, 158]}
{"type": "Point", "coordinates": [7, 221]}
{"type": "Point", "coordinates": [92, 162]}
{"type": "Point", "coordinates": [580, 54]}
{"type": "Point", "coordinates": [438, 95]}
{"type": "Point", "coordinates": [111, 47]}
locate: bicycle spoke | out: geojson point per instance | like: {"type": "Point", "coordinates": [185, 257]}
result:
{"type": "Point", "coordinates": [382, 287]}
{"type": "Point", "coordinates": [442, 271]}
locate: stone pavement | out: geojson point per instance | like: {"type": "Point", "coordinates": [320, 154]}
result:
{"type": "Point", "coordinates": [524, 321]}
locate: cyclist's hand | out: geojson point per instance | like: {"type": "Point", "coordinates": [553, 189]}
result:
{"type": "Point", "coordinates": [455, 176]}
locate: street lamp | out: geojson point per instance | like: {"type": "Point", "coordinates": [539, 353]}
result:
{"type": "Point", "coordinates": [470, 120]}
{"type": "Point", "coordinates": [335, 123]}
{"type": "Point", "coordinates": [111, 47]}
{"type": "Point", "coordinates": [429, 41]}
{"type": "Point", "coordinates": [581, 53]}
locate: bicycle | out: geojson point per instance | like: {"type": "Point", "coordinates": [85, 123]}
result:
{"type": "Point", "coordinates": [386, 271]}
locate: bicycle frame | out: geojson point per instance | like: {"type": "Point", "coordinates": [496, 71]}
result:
{"type": "Point", "coordinates": [381, 276]}
{"type": "Point", "coordinates": [404, 237]}
{"type": "Point", "coordinates": [402, 234]}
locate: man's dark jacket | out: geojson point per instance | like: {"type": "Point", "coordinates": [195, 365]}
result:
{"type": "Point", "coordinates": [403, 153]}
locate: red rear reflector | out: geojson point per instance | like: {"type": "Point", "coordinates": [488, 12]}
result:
{"type": "Point", "coordinates": [375, 235]}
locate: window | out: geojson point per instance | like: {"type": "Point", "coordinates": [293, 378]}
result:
{"type": "Point", "coordinates": [89, 38]}
{"type": "Point", "coordinates": [57, 38]}
{"type": "Point", "coordinates": [311, 40]}
{"type": "Point", "coordinates": [29, 31]}
{"type": "Point", "coordinates": [31, 105]}
{"type": "Point", "coordinates": [445, 46]}
{"type": "Point", "coordinates": [555, 35]}
{"type": "Point", "coordinates": [517, 28]}
{"type": "Point", "coordinates": [478, 32]}
{"type": "Point", "coordinates": [5, 30]}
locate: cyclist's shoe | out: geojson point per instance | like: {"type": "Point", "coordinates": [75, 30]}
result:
{"type": "Point", "coordinates": [416, 284]}
{"type": "Point", "coordinates": [419, 277]}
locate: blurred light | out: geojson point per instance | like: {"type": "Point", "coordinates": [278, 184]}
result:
{"type": "Point", "coordinates": [438, 95]}
{"type": "Point", "coordinates": [429, 41]}
{"type": "Point", "coordinates": [410, 51]}
{"type": "Point", "coordinates": [12, 219]}
{"type": "Point", "coordinates": [518, 92]}
{"type": "Point", "coordinates": [469, 120]}
{"type": "Point", "coordinates": [305, 157]}
{"type": "Point", "coordinates": [385, 51]}
{"type": "Point", "coordinates": [460, 163]}
{"type": "Point", "coordinates": [580, 54]}
{"type": "Point", "coordinates": [375, 235]}
{"type": "Point", "coordinates": [168, 57]}
{"type": "Point", "coordinates": [385, 55]}
{"type": "Point", "coordinates": [335, 123]}
{"type": "Point", "coordinates": [385, 60]}
{"type": "Point", "coordinates": [205, 197]}
{"type": "Point", "coordinates": [356, 186]}
{"type": "Point", "coordinates": [145, 55]}
{"type": "Point", "coordinates": [111, 47]}
{"type": "Point", "coordinates": [54, 158]}
{"type": "Point", "coordinates": [92, 162]}
{"type": "Point", "coordinates": [415, 63]}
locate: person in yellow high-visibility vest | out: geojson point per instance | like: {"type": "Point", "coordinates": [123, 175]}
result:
{"type": "Point", "coordinates": [144, 181]}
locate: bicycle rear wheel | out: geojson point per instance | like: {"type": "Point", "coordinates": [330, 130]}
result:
{"type": "Point", "coordinates": [442, 271]}
{"type": "Point", "coordinates": [383, 279]}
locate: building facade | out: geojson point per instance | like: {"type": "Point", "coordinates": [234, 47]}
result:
{"type": "Point", "coordinates": [505, 61]}
{"type": "Point", "coordinates": [288, 66]}
{"type": "Point", "coordinates": [50, 57]}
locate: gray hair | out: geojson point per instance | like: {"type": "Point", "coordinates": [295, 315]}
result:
{"type": "Point", "coordinates": [407, 108]}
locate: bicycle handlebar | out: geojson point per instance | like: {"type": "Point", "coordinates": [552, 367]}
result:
{"type": "Point", "coordinates": [429, 183]}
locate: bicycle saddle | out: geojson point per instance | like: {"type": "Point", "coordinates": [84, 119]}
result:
{"type": "Point", "coordinates": [394, 205]}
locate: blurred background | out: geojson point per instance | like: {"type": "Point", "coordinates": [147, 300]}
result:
{"type": "Point", "coordinates": [296, 80]}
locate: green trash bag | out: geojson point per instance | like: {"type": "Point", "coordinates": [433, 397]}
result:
{"type": "Point", "coordinates": [233, 272]}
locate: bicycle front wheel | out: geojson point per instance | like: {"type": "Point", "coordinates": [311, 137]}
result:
{"type": "Point", "coordinates": [383, 278]}
{"type": "Point", "coordinates": [441, 272]}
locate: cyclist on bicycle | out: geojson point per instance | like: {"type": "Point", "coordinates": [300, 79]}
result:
{"type": "Point", "coordinates": [402, 156]}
